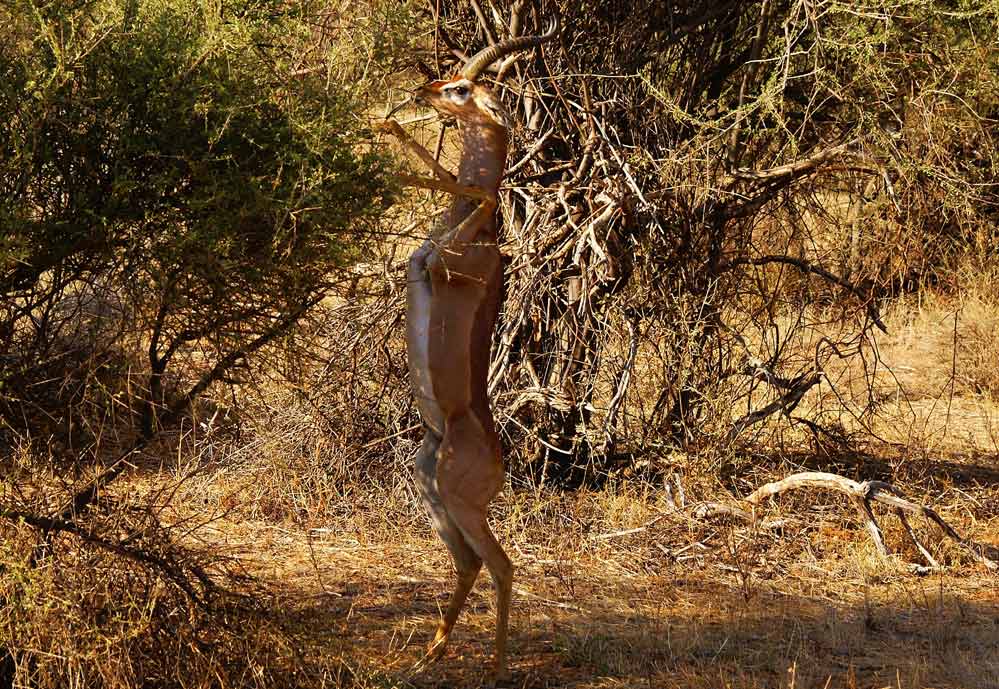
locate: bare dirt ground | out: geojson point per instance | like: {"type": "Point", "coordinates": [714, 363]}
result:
{"type": "Point", "coordinates": [675, 603]}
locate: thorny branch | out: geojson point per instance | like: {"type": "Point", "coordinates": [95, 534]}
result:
{"type": "Point", "coordinates": [727, 214]}
{"type": "Point", "coordinates": [623, 216]}
{"type": "Point", "coordinates": [174, 571]}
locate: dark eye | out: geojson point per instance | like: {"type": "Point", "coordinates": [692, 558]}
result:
{"type": "Point", "coordinates": [460, 90]}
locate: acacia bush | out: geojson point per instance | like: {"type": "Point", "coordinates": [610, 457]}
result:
{"type": "Point", "coordinates": [179, 184]}
{"type": "Point", "coordinates": [181, 181]}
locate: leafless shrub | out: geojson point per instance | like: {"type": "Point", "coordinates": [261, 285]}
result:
{"type": "Point", "coordinates": [702, 208]}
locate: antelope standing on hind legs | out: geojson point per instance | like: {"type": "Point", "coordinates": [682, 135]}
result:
{"type": "Point", "coordinates": [453, 297]}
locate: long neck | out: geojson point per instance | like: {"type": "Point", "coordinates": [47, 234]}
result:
{"type": "Point", "coordinates": [483, 155]}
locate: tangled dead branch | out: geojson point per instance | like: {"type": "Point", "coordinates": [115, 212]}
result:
{"type": "Point", "coordinates": [635, 229]}
{"type": "Point", "coordinates": [690, 225]}
{"type": "Point", "coordinates": [862, 494]}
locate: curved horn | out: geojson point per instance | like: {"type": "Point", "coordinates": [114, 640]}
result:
{"type": "Point", "coordinates": [485, 57]}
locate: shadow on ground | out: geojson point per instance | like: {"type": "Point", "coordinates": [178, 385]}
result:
{"type": "Point", "coordinates": [669, 633]}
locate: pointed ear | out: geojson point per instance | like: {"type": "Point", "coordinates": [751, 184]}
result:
{"type": "Point", "coordinates": [438, 84]}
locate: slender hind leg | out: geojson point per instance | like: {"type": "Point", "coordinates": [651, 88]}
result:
{"type": "Point", "coordinates": [470, 473]}
{"type": "Point", "coordinates": [466, 562]}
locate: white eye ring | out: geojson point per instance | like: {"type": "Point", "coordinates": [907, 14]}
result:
{"type": "Point", "coordinates": [459, 93]}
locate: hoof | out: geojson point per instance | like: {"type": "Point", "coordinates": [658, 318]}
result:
{"type": "Point", "coordinates": [436, 648]}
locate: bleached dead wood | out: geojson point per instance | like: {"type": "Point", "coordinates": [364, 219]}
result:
{"type": "Point", "coordinates": [863, 493]}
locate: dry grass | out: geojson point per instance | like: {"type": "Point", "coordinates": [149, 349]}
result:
{"type": "Point", "coordinates": [614, 588]}
{"type": "Point", "coordinates": [352, 597]}
{"type": "Point", "coordinates": [948, 344]}
{"type": "Point", "coordinates": [680, 603]}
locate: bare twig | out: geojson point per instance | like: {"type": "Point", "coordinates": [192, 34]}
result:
{"type": "Point", "coordinates": [808, 267]}
{"type": "Point", "coordinates": [785, 403]}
